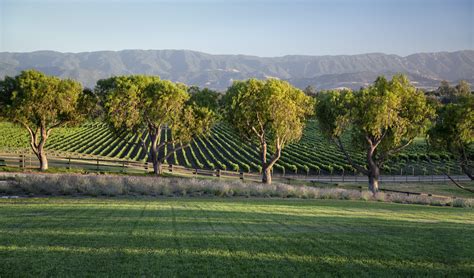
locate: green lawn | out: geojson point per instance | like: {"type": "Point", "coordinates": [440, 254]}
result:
{"type": "Point", "coordinates": [232, 237]}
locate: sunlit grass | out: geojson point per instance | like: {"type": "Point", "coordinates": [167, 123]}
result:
{"type": "Point", "coordinates": [232, 237]}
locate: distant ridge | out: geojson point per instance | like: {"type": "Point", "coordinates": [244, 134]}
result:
{"type": "Point", "coordinates": [217, 71]}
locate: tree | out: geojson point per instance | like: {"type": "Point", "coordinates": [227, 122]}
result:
{"type": "Point", "coordinates": [450, 94]}
{"type": "Point", "coordinates": [382, 119]}
{"type": "Point", "coordinates": [310, 91]}
{"type": "Point", "coordinates": [205, 98]}
{"type": "Point", "coordinates": [270, 113]}
{"type": "Point", "coordinates": [147, 106]}
{"type": "Point", "coordinates": [463, 88]}
{"type": "Point", "coordinates": [41, 103]}
{"type": "Point", "coordinates": [454, 131]}
{"type": "Point", "coordinates": [445, 90]}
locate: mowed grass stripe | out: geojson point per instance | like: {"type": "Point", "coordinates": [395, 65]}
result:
{"type": "Point", "coordinates": [206, 237]}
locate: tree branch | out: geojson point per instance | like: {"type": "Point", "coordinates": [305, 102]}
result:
{"type": "Point", "coordinates": [450, 178]}
{"type": "Point", "coordinates": [261, 124]}
{"type": "Point", "coordinates": [378, 141]}
{"type": "Point", "coordinates": [465, 161]}
{"type": "Point", "coordinates": [142, 141]}
{"type": "Point", "coordinates": [348, 157]}
{"type": "Point", "coordinates": [33, 138]}
{"type": "Point", "coordinates": [393, 151]}
{"type": "Point", "coordinates": [276, 155]}
{"type": "Point", "coordinates": [173, 151]}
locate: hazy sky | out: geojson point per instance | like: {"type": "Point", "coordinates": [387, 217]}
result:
{"type": "Point", "coordinates": [259, 27]}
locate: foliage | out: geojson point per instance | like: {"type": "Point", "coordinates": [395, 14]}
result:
{"type": "Point", "coordinates": [310, 91]}
{"type": "Point", "coordinates": [383, 119]}
{"type": "Point", "coordinates": [447, 93]}
{"type": "Point", "coordinates": [205, 98]}
{"type": "Point", "coordinates": [454, 130]}
{"type": "Point", "coordinates": [146, 106]}
{"type": "Point", "coordinates": [268, 112]}
{"type": "Point", "coordinates": [41, 103]}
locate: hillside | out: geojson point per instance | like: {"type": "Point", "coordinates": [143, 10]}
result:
{"type": "Point", "coordinates": [218, 71]}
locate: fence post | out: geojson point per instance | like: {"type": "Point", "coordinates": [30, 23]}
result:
{"type": "Point", "coordinates": [21, 161]}
{"type": "Point", "coordinates": [146, 167]}
{"type": "Point", "coordinates": [170, 167]}
{"type": "Point", "coordinates": [218, 173]}
{"type": "Point", "coordinates": [69, 163]}
{"type": "Point", "coordinates": [342, 175]}
{"type": "Point", "coordinates": [123, 167]}
{"type": "Point", "coordinates": [241, 175]}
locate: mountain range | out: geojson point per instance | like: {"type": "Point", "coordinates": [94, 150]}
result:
{"type": "Point", "coordinates": [217, 72]}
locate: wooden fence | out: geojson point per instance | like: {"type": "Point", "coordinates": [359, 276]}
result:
{"type": "Point", "coordinates": [98, 164]}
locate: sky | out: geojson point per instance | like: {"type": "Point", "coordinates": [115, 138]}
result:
{"type": "Point", "coordinates": [259, 27]}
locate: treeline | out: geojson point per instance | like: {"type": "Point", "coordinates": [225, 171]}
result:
{"type": "Point", "coordinates": [381, 119]}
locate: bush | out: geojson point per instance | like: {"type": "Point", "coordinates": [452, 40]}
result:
{"type": "Point", "coordinates": [245, 168]}
{"type": "Point", "coordinates": [293, 168]}
{"type": "Point", "coordinates": [97, 185]}
{"type": "Point", "coordinates": [235, 167]}
{"type": "Point", "coordinates": [463, 203]}
{"type": "Point", "coordinates": [306, 169]}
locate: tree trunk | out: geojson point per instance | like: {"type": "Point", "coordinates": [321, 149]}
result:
{"type": "Point", "coordinates": [268, 165]}
{"type": "Point", "coordinates": [41, 154]}
{"type": "Point", "coordinates": [374, 171]}
{"type": "Point", "coordinates": [373, 183]}
{"type": "Point", "coordinates": [157, 168]}
{"type": "Point", "coordinates": [43, 160]}
{"type": "Point", "coordinates": [154, 153]}
{"type": "Point", "coordinates": [267, 176]}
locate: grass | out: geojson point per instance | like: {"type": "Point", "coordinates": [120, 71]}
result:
{"type": "Point", "coordinates": [441, 188]}
{"type": "Point", "coordinates": [232, 237]}
{"type": "Point", "coordinates": [446, 188]}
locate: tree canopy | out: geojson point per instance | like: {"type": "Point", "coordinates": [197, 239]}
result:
{"type": "Point", "coordinates": [147, 105]}
{"type": "Point", "coordinates": [205, 98]}
{"type": "Point", "coordinates": [41, 103]}
{"type": "Point", "coordinates": [270, 112]}
{"type": "Point", "coordinates": [382, 119]}
{"type": "Point", "coordinates": [448, 94]}
{"type": "Point", "coordinates": [454, 131]}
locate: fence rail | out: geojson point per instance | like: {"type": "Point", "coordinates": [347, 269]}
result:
{"type": "Point", "coordinates": [97, 164]}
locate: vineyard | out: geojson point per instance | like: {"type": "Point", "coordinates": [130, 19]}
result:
{"type": "Point", "coordinates": [224, 150]}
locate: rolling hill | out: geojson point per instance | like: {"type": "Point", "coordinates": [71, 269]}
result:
{"type": "Point", "coordinates": [218, 71]}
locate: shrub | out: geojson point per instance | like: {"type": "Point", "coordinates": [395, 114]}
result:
{"type": "Point", "coordinates": [306, 169]}
{"type": "Point", "coordinates": [379, 196]}
{"type": "Point", "coordinates": [245, 168]}
{"type": "Point", "coordinates": [293, 168]}
{"type": "Point", "coordinates": [365, 195]}
{"type": "Point", "coordinates": [463, 203]}
{"type": "Point", "coordinates": [235, 167]}
{"type": "Point", "coordinates": [96, 185]}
